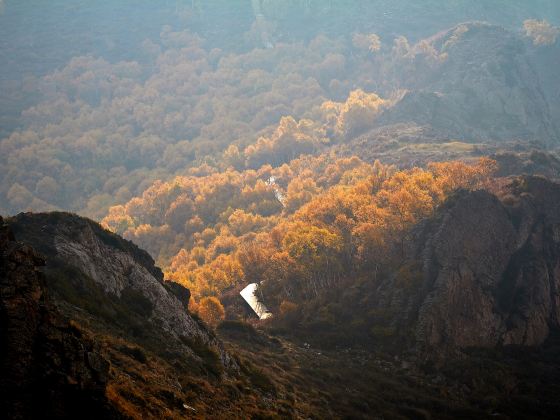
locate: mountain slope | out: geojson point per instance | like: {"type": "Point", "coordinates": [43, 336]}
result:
{"type": "Point", "coordinates": [486, 271]}
{"type": "Point", "coordinates": [479, 82]}
{"type": "Point", "coordinates": [92, 331]}
{"type": "Point", "coordinates": [89, 256]}
{"type": "Point", "coordinates": [49, 367]}
{"type": "Point", "coordinates": [114, 358]}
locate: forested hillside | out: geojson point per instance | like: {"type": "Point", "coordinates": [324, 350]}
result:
{"type": "Point", "coordinates": [385, 175]}
{"type": "Point", "coordinates": [203, 153]}
{"type": "Point", "coordinates": [102, 130]}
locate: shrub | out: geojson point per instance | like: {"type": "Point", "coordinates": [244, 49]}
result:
{"type": "Point", "coordinates": [211, 311]}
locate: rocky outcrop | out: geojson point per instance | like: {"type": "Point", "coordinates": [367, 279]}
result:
{"type": "Point", "coordinates": [116, 282]}
{"type": "Point", "coordinates": [493, 268]}
{"type": "Point", "coordinates": [50, 369]}
{"type": "Point", "coordinates": [466, 257]}
{"type": "Point", "coordinates": [490, 270]}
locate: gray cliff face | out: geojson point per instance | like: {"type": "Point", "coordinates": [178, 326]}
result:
{"type": "Point", "coordinates": [119, 269]}
{"type": "Point", "coordinates": [490, 267]}
{"type": "Point", "coordinates": [114, 270]}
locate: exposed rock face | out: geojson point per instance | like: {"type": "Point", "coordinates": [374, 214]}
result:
{"type": "Point", "coordinates": [180, 292]}
{"type": "Point", "coordinates": [126, 275]}
{"type": "Point", "coordinates": [49, 368]}
{"type": "Point", "coordinates": [491, 270]}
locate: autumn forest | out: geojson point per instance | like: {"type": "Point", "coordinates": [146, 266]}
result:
{"type": "Point", "coordinates": [322, 150]}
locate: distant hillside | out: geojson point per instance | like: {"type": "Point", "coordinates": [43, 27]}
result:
{"type": "Point", "coordinates": [489, 84]}
{"type": "Point", "coordinates": [105, 131]}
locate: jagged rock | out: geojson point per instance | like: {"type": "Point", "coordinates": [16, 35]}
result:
{"type": "Point", "coordinates": [468, 253]}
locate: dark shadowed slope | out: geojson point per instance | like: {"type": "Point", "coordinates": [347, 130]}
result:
{"type": "Point", "coordinates": [484, 272]}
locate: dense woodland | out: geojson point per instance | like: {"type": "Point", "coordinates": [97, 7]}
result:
{"type": "Point", "coordinates": [218, 159]}
{"type": "Point", "coordinates": [299, 228]}
{"type": "Point", "coordinates": [106, 131]}
{"type": "Point", "coordinates": [103, 131]}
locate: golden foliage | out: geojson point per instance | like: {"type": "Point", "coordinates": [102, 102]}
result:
{"type": "Point", "coordinates": [541, 31]}
{"type": "Point", "coordinates": [337, 216]}
{"type": "Point", "coordinates": [104, 132]}
{"type": "Point", "coordinates": [211, 311]}
{"type": "Point", "coordinates": [356, 115]}
{"type": "Point", "coordinates": [368, 42]}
